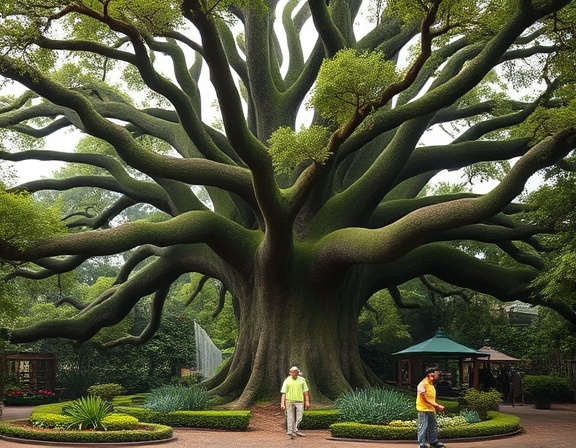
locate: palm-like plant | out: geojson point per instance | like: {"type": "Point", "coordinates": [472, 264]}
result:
{"type": "Point", "coordinates": [88, 412]}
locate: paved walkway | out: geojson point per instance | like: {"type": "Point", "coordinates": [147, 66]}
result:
{"type": "Point", "coordinates": [553, 428]}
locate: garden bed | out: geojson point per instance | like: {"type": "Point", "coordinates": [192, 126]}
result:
{"type": "Point", "coordinates": [144, 432]}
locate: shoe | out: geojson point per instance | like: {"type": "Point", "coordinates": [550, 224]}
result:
{"type": "Point", "coordinates": [437, 445]}
{"type": "Point", "coordinates": [301, 434]}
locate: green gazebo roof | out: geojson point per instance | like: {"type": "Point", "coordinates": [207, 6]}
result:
{"type": "Point", "coordinates": [441, 345]}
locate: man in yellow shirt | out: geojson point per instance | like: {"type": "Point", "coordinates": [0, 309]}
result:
{"type": "Point", "coordinates": [426, 406]}
{"type": "Point", "coordinates": [294, 398]}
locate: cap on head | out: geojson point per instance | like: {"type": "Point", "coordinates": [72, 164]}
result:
{"type": "Point", "coordinates": [294, 368]}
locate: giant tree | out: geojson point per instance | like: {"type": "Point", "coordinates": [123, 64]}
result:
{"type": "Point", "coordinates": [314, 168]}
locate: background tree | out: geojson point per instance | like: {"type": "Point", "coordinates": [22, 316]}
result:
{"type": "Point", "coordinates": [304, 222]}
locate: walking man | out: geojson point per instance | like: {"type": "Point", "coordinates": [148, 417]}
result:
{"type": "Point", "coordinates": [426, 406]}
{"type": "Point", "coordinates": [294, 399]}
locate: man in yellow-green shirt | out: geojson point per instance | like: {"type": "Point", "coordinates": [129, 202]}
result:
{"type": "Point", "coordinates": [294, 399]}
{"type": "Point", "coordinates": [427, 406]}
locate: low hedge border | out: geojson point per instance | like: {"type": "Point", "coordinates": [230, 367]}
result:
{"type": "Point", "coordinates": [150, 432]}
{"type": "Point", "coordinates": [320, 418]}
{"type": "Point", "coordinates": [227, 420]}
{"type": "Point", "coordinates": [499, 424]}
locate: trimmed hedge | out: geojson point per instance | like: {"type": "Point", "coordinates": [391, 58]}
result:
{"type": "Point", "coordinates": [228, 420]}
{"type": "Point", "coordinates": [149, 432]}
{"type": "Point", "coordinates": [121, 428]}
{"type": "Point", "coordinates": [499, 423]}
{"type": "Point", "coordinates": [320, 418]}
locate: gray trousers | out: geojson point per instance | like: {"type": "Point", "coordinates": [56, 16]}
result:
{"type": "Point", "coordinates": [294, 413]}
{"type": "Point", "coordinates": [427, 427]}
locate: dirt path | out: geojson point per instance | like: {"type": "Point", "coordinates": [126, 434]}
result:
{"type": "Point", "coordinates": [554, 428]}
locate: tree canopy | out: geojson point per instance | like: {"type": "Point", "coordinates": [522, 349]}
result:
{"type": "Point", "coordinates": [310, 190]}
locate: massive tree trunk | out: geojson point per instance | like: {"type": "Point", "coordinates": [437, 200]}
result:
{"type": "Point", "coordinates": [291, 323]}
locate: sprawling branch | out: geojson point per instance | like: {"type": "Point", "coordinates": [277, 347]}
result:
{"type": "Point", "coordinates": [397, 239]}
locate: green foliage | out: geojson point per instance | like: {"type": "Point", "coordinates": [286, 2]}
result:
{"type": "Point", "coordinates": [471, 416]}
{"type": "Point", "coordinates": [381, 324]}
{"type": "Point", "coordinates": [545, 122]}
{"type": "Point", "coordinates": [177, 398]}
{"type": "Point", "coordinates": [77, 381]}
{"type": "Point", "coordinates": [381, 331]}
{"type": "Point", "coordinates": [289, 149]}
{"type": "Point", "coordinates": [88, 412]}
{"type": "Point", "coordinates": [445, 421]}
{"type": "Point", "coordinates": [375, 406]}
{"type": "Point", "coordinates": [119, 422]}
{"type": "Point", "coordinates": [25, 221]}
{"type": "Point", "coordinates": [481, 402]}
{"type": "Point", "coordinates": [106, 391]}
{"type": "Point", "coordinates": [223, 328]}
{"type": "Point", "coordinates": [320, 418]}
{"type": "Point", "coordinates": [498, 424]}
{"type": "Point", "coordinates": [228, 420]}
{"type": "Point", "coordinates": [546, 386]}
{"type": "Point", "coordinates": [350, 81]}
{"type": "Point", "coordinates": [49, 420]}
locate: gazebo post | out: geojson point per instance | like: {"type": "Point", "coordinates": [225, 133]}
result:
{"type": "Point", "coordinates": [476, 379]}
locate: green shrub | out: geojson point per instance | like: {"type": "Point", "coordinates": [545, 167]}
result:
{"type": "Point", "coordinates": [375, 406]}
{"type": "Point", "coordinates": [119, 422]}
{"type": "Point", "coordinates": [546, 386]}
{"type": "Point", "coordinates": [227, 420]}
{"type": "Point", "coordinates": [481, 402]}
{"type": "Point", "coordinates": [320, 418]}
{"type": "Point", "coordinates": [106, 391]}
{"type": "Point", "coordinates": [177, 398]}
{"type": "Point", "coordinates": [49, 420]}
{"type": "Point", "coordinates": [87, 412]}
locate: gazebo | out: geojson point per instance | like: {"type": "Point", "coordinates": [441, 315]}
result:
{"type": "Point", "coordinates": [413, 361]}
{"type": "Point", "coordinates": [500, 366]}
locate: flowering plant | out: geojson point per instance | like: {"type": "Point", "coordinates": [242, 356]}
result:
{"type": "Point", "coordinates": [27, 392]}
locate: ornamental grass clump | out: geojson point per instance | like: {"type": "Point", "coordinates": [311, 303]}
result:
{"type": "Point", "coordinates": [177, 398]}
{"type": "Point", "coordinates": [375, 406]}
{"type": "Point", "coordinates": [87, 412]}
{"type": "Point", "coordinates": [471, 416]}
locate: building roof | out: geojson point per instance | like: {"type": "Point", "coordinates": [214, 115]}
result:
{"type": "Point", "coordinates": [496, 356]}
{"type": "Point", "coordinates": [441, 345]}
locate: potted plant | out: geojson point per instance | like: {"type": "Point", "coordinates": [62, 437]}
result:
{"type": "Point", "coordinates": [545, 389]}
